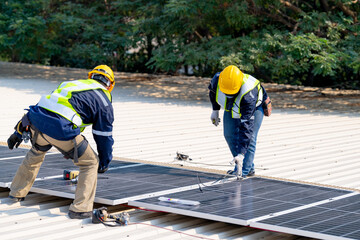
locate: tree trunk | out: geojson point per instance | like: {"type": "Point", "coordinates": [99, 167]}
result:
{"type": "Point", "coordinates": [346, 10]}
{"type": "Point", "coordinates": [149, 47]}
{"type": "Point", "coordinates": [325, 5]}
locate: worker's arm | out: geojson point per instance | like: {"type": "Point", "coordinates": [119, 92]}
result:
{"type": "Point", "coordinates": [265, 95]}
{"type": "Point", "coordinates": [94, 107]}
{"type": "Point", "coordinates": [214, 117]}
{"type": "Point", "coordinates": [247, 110]}
{"type": "Point", "coordinates": [212, 91]}
{"type": "Point", "coordinates": [104, 142]}
{"type": "Point", "coordinates": [102, 132]}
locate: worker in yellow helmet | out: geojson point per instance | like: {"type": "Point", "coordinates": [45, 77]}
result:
{"type": "Point", "coordinates": [245, 102]}
{"type": "Point", "coordinates": [58, 120]}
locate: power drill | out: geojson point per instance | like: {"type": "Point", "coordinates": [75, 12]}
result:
{"type": "Point", "coordinates": [70, 174]}
{"type": "Point", "coordinates": [101, 215]}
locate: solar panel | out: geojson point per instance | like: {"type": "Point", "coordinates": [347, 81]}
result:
{"type": "Point", "coordinates": [123, 180]}
{"type": "Point", "coordinates": [6, 153]}
{"type": "Point", "coordinates": [51, 167]}
{"type": "Point", "coordinates": [300, 209]}
{"type": "Point", "coordinates": [339, 218]}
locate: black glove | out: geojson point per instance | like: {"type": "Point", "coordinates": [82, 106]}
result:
{"type": "Point", "coordinates": [14, 140]}
{"type": "Point", "coordinates": [102, 169]}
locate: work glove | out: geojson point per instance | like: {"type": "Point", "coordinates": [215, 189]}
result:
{"type": "Point", "coordinates": [102, 169]}
{"type": "Point", "coordinates": [14, 140]}
{"type": "Point", "coordinates": [238, 161]}
{"type": "Point", "coordinates": [215, 117]}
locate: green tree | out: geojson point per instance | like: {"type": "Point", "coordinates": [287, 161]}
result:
{"type": "Point", "coordinates": [285, 41]}
{"type": "Point", "coordinates": [23, 31]}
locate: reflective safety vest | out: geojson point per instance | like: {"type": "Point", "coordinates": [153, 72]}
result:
{"type": "Point", "coordinates": [249, 84]}
{"type": "Point", "coordinates": [58, 100]}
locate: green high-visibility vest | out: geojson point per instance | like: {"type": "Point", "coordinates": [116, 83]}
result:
{"type": "Point", "coordinates": [249, 84]}
{"type": "Point", "coordinates": [58, 100]}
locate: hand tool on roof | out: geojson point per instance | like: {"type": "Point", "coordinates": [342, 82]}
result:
{"type": "Point", "coordinates": [70, 174]}
{"type": "Point", "coordinates": [101, 215]}
{"type": "Point", "coordinates": [182, 157]}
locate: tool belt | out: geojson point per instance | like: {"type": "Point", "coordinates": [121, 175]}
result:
{"type": "Point", "coordinates": [33, 139]}
{"type": "Point", "coordinates": [22, 127]}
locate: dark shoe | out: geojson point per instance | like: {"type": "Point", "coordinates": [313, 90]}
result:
{"type": "Point", "coordinates": [235, 172]}
{"type": "Point", "coordinates": [16, 199]}
{"type": "Point", "coordinates": [251, 173]}
{"type": "Point", "coordinates": [79, 215]}
{"type": "Point", "coordinates": [102, 169]}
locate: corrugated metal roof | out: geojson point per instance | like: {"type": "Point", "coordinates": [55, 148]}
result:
{"type": "Point", "coordinates": [300, 145]}
{"type": "Point", "coordinates": [45, 217]}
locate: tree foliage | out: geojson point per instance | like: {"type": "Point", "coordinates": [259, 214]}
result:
{"type": "Point", "coordinates": [305, 42]}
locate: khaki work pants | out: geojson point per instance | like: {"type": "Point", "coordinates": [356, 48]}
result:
{"type": "Point", "coordinates": [87, 180]}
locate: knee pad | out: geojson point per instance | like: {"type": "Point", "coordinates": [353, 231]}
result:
{"type": "Point", "coordinates": [80, 150]}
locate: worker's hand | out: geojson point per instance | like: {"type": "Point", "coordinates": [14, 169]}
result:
{"type": "Point", "coordinates": [238, 159]}
{"type": "Point", "coordinates": [215, 117]}
{"type": "Point", "coordinates": [14, 140]}
{"type": "Point", "coordinates": [102, 169]}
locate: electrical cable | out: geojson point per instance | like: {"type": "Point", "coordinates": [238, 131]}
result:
{"type": "Point", "coordinates": [212, 183]}
{"type": "Point", "coordinates": [215, 165]}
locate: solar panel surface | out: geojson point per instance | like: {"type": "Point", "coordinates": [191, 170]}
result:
{"type": "Point", "coordinates": [123, 180]}
{"type": "Point", "coordinates": [301, 209]}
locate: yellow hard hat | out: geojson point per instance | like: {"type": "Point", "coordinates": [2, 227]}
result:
{"type": "Point", "coordinates": [231, 80]}
{"type": "Point", "coordinates": [106, 72]}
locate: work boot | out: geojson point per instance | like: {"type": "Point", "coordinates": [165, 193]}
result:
{"type": "Point", "coordinates": [16, 199]}
{"type": "Point", "coordinates": [79, 215]}
{"type": "Point", "coordinates": [232, 172]}
{"type": "Point", "coordinates": [102, 169]}
{"type": "Point", "coordinates": [251, 173]}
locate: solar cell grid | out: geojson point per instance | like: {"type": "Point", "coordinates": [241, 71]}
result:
{"type": "Point", "coordinates": [350, 204]}
{"type": "Point", "coordinates": [5, 152]}
{"type": "Point", "coordinates": [353, 235]}
{"type": "Point", "coordinates": [271, 204]}
{"type": "Point", "coordinates": [335, 222]}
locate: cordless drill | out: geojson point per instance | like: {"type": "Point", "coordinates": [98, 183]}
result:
{"type": "Point", "coordinates": [70, 174]}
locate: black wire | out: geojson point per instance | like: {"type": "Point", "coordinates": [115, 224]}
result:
{"type": "Point", "coordinates": [217, 180]}
{"type": "Point", "coordinates": [199, 182]}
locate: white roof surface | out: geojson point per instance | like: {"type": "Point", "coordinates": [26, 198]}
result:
{"type": "Point", "coordinates": [319, 148]}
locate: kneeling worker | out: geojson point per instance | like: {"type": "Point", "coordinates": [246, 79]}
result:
{"type": "Point", "coordinates": [58, 120]}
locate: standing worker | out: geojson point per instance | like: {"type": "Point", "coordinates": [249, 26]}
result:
{"type": "Point", "coordinates": [58, 120]}
{"type": "Point", "coordinates": [245, 102]}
